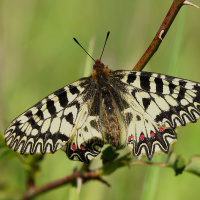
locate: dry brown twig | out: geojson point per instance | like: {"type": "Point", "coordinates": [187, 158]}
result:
{"type": "Point", "coordinates": [162, 31]}
{"type": "Point", "coordinates": [84, 174]}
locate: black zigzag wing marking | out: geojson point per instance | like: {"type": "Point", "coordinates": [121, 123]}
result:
{"type": "Point", "coordinates": [167, 99]}
{"type": "Point", "coordinates": [87, 141]}
{"type": "Point", "coordinates": [47, 126]}
{"type": "Point", "coordinates": [150, 146]}
{"type": "Point", "coordinates": [157, 104]}
{"type": "Point", "coordinates": [142, 133]}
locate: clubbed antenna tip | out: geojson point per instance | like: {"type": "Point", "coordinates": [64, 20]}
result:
{"type": "Point", "coordinates": [104, 44]}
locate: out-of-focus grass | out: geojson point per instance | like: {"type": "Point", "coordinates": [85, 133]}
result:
{"type": "Point", "coordinates": [38, 56]}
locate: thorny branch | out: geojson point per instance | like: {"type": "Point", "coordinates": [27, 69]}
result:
{"type": "Point", "coordinates": [88, 175]}
{"type": "Point", "coordinates": [84, 174]}
{"type": "Point", "coordinates": [153, 47]}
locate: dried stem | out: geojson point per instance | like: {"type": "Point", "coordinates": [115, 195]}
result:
{"type": "Point", "coordinates": [84, 176]}
{"type": "Point", "coordinates": [153, 47]}
{"type": "Point", "coordinates": [89, 175]}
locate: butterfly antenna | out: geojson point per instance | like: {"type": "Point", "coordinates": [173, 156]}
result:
{"type": "Point", "coordinates": [83, 48]}
{"type": "Point", "coordinates": [104, 44]}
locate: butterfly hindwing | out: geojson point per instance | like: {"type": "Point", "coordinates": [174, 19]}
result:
{"type": "Point", "coordinates": [86, 144]}
{"type": "Point", "coordinates": [157, 105]}
{"type": "Point", "coordinates": [88, 138]}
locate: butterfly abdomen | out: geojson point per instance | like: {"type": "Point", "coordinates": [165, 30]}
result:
{"type": "Point", "coordinates": [111, 120]}
{"type": "Point", "coordinates": [101, 76]}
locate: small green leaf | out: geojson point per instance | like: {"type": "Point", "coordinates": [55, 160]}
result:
{"type": "Point", "coordinates": [110, 167]}
{"type": "Point", "coordinates": [193, 165]}
{"type": "Point", "coordinates": [109, 154]}
{"type": "Point", "coordinates": [177, 163]}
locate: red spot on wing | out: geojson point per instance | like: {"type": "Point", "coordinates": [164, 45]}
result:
{"type": "Point", "coordinates": [74, 147]}
{"type": "Point", "coordinates": [161, 128]}
{"type": "Point", "coordinates": [141, 136]}
{"type": "Point", "coordinates": [130, 138]}
{"type": "Point", "coordinates": [82, 147]}
{"type": "Point", "coordinates": [152, 134]}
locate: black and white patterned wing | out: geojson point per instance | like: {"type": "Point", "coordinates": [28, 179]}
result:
{"type": "Point", "coordinates": [88, 140]}
{"type": "Point", "coordinates": [55, 122]}
{"type": "Point", "coordinates": [156, 105]}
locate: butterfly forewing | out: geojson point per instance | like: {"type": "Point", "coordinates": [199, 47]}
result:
{"type": "Point", "coordinates": [68, 118]}
{"type": "Point", "coordinates": [167, 99]}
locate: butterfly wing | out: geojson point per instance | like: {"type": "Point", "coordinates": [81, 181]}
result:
{"type": "Point", "coordinates": [88, 140]}
{"type": "Point", "coordinates": [150, 106]}
{"type": "Point", "coordinates": [54, 122]}
{"type": "Point", "coordinates": [156, 105]}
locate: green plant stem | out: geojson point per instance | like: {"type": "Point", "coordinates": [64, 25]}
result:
{"type": "Point", "coordinates": [151, 182]}
{"type": "Point", "coordinates": [153, 47]}
{"type": "Point", "coordinates": [173, 69]}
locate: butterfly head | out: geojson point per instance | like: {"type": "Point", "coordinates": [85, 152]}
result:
{"type": "Point", "coordinates": [98, 65]}
{"type": "Point", "coordinates": [100, 71]}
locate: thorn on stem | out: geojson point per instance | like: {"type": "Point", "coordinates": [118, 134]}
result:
{"type": "Point", "coordinates": [190, 4]}
{"type": "Point", "coordinates": [160, 35]}
{"type": "Point", "coordinates": [79, 184]}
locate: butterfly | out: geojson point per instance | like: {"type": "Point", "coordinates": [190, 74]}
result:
{"type": "Point", "coordinates": [124, 108]}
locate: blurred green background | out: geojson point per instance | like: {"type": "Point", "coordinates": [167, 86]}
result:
{"type": "Point", "coordinates": [38, 56]}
